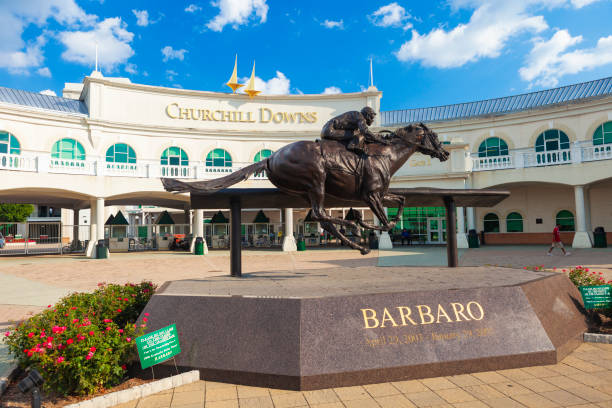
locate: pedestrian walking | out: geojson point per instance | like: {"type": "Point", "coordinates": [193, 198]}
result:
{"type": "Point", "coordinates": [556, 242]}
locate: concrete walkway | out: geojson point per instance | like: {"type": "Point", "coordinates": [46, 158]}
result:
{"type": "Point", "coordinates": [581, 380]}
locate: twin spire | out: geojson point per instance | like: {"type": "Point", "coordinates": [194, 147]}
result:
{"type": "Point", "coordinates": [250, 86]}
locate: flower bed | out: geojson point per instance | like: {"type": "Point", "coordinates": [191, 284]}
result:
{"type": "Point", "coordinates": [82, 344]}
{"type": "Point", "coordinates": [600, 320]}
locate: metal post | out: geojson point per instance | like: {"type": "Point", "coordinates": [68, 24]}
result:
{"type": "Point", "coordinates": [451, 232]}
{"type": "Point", "coordinates": [235, 238]}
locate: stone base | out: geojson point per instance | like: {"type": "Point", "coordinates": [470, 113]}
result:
{"type": "Point", "coordinates": [582, 239]}
{"type": "Point", "coordinates": [289, 244]}
{"type": "Point", "coordinates": [348, 326]}
{"type": "Point", "coordinates": [462, 241]}
{"type": "Point", "coordinates": [384, 241]}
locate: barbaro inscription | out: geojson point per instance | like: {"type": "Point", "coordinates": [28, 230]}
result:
{"type": "Point", "coordinates": [424, 314]}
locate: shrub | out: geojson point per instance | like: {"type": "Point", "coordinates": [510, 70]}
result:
{"type": "Point", "coordinates": [581, 276]}
{"type": "Point", "coordinates": [83, 343]}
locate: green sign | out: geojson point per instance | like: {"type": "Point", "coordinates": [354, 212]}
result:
{"type": "Point", "coordinates": [158, 346]}
{"type": "Point", "coordinates": [596, 297]}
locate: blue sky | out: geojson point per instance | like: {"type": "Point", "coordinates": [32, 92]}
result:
{"type": "Point", "coordinates": [424, 53]}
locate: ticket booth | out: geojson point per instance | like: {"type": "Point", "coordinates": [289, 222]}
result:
{"type": "Point", "coordinates": [164, 231]}
{"type": "Point", "coordinates": [262, 232]}
{"type": "Point", "coordinates": [309, 229]}
{"type": "Point", "coordinates": [117, 234]}
{"type": "Point", "coordinates": [220, 231]}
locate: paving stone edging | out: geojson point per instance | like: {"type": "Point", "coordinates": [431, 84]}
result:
{"type": "Point", "coordinates": [10, 374]}
{"type": "Point", "coordinates": [140, 391]}
{"type": "Point", "coordinates": [598, 338]}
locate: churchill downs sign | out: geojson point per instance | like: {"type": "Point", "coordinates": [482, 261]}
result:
{"type": "Point", "coordinates": [261, 115]}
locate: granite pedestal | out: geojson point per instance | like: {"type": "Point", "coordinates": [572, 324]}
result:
{"type": "Point", "coordinates": [347, 326]}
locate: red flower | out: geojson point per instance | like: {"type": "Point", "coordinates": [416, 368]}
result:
{"type": "Point", "coordinates": [30, 335]}
{"type": "Point", "coordinates": [128, 339]}
{"type": "Point", "coordinates": [120, 330]}
{"type": "Point", "coordinates": [123, 367]}
{"type": "Point", "coordinates": [75, 320]}
{"type": "Point", "coordinates": [92, 349]}
{"type": "Point", "coordinates": [48, 305]}
{"type": "Point", "coordinates": [60, 359]}
{"type": "Point", "coordinates": [73, 308]}
{"type": "Point", "coordinates": [144, 319]}
{"type": "Point", "coordinates": [125, 299]}
{"type": "Point", "coordinates": [107, 320]}
{"type": "Point", "coordinates": [69, 341]}
{"type": "Point", "coordinates": [118, 310]}
{"type": "Point", "coordinates": [91, 333]}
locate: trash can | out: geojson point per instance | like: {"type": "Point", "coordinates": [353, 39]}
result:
{"type": "Point", "coordinates": [373, 240]}
{"type": "Point", "coordinates": [101, 249]}
{"type": "Point", "coordinates": [199, 246]}
{"type": "Point", "coordinates": [599, 238]}
{"type": "Point", "coordinates": [473, 239]}
{"type": "Point", "coordinates": [301, 245]}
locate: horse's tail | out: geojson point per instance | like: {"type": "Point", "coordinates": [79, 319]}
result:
{"type": "Point", "coordinates": [211, 186]}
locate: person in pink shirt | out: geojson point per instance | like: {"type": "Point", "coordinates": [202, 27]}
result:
{"type": "Point", "coordinates": [556, 242]}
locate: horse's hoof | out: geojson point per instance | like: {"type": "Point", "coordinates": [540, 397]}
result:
{"type": "Point", "coordinates": [365, 251]}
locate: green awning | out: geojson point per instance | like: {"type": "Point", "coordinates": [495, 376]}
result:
{"type": "Point", "coordinates": [352, 215]}
{"type": "Point", "coordinates": [165, 219]}
{"type": "Point", "coordinates": [308, 217]}
{"type": "Point", "coordinates": [261, 218]}
{"type": "Point", "coordinates": [110, 220]}
{"type": "Point", "coordinates": [219, 218]}
{"type": "Point", "coordinates": [119, 220]}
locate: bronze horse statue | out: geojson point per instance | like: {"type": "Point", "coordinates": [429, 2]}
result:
{"type": "Point", "coordinates": [313, 170]}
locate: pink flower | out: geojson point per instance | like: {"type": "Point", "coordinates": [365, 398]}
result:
{"type": "Point", "coordinates": [146, 314]}
{"type": "Point", "coordinates": [107, 320]}
{"type": "Point", "coordinates": [118, 310]}
{"type": "Point", "coordinates": [69, 341]}
{"type": "Point", "coordinates": [60, 359]}
{"type": "Point", "coordinates": [120, 330]}
{"type": "Point", "coordinates": [91, 333]}
{"type": "Point", "coordinates": [30, 335]}
{"type": "Point", "coordinates": [108, 328]}
{"type": "Point", "coordinates": [73, 308]}
{"type": "Point", "coordinates": [48, 305]}
{"type": "Point", "coordinates": [128, 339]}
{"type": "Point", "coordinates": [145, 319]}
{"type": "Point", "coordinates": [75, 320]}
{"type": "Point", "coordinates": [89, 356]}
{"type": "Point", "coordinates": [8, 333]}
{"type": "Point", "coordinates": [125, 299]}
{"type": "Point", "coordinates": [92, 349]}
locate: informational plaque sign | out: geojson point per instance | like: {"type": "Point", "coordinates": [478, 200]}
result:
{"type": "Point", "coordinates": [158, 346]}
{"type": "Point", "coordinates": [596, 297]}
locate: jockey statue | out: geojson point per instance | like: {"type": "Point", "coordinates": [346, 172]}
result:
{"type": "Point", "coordinates": [351, 128]}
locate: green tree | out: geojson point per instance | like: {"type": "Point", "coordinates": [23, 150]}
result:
{"type": "Point", "coordinates": [15, 212]}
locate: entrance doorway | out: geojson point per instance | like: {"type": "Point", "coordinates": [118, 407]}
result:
{"type": "Point", "coordinates": [436, 230]}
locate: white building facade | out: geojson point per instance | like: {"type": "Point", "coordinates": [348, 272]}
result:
{"type": "Point", "coordinates": [107, 142]}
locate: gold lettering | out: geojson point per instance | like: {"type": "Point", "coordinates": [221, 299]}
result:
{"type": "Point", "coordinates": [479, 308]}
{"type": "Point", "coordinates": [278, 117]}
{"type": "Point", "coordinates": [387, 316]}
{"type": "Point", "coordinates": [227, 116]}
{"type": "Point", "coordinates": [193, 116]}
{"type": "Point", "coordinates": [290, 117]}
{"type": "Point", "coordinates": [313, 115]}
{"type": "Point", "coordinates": [214, 116]}
{"type": "Point", "coordinates": [366, 318]}
{"type": "Point", "coordinates": [248, 119]}
{"type": "Point", "coordinates": [168, 110]}
{"type": "Point", "coordinates": [427, 313]}
{"type": "Point", "coordinates": [261, 115]}
{"type": "Point", "coordinates": [459, 312]}
{"type": "Point", "coordinates": [404, 315]}
{"type": "Point", "coordinates": [183, 113]}
{"type": "Point", "coordinates": [206, 115]}
{"type": "Point", "coordinates": [442, 312]}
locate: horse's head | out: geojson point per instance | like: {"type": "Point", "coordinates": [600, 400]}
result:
{"type": "Point", "coordinates": [425, 140]}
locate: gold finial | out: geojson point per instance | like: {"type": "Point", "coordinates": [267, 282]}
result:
{"type": "Point", "coordinates": [233, 81]}
{"type": "Point", "coordinates": [250, 89]}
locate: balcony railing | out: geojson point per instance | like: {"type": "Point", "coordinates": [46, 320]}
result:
{"type": "Point", "coordinates": [599, 152]}
{"type": "Point", "coordinates": [492, 163]}
{"type": "Point", "coordinates": [17, 162]}
{"type": "Point", "coordinates": [71, 166]}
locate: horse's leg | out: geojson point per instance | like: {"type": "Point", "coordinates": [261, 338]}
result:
{"type": "Point", "coordinates": [331, 228]}
{"type": "Point", "coordinates": [375, 203]}
{"type": "Point", "coordinates": [386, 225]}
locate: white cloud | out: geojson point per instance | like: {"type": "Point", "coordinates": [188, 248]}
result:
{"type": "Point", "coordinates": [333, 24]}
{"type": "Point", "coordinates": [491, 25]}
{"type": "Point", "coordinates": [131, 68]}
{"type": "Point", "coordinates": [279, 85]}
{"type": "Point", "coordinates": [391, 15]}
{"type": "Point", "coordinates": [170, 53]}
{"type": "Point", "coordinates": [113, 44]}
{"type": "Point", "coordinates": [142, 17]}
{"type": "Point", "coordinates": [170, 74]}
{"type": "Point", "coordinates": [548, 61]}
{"type": "Point", "coordinates": [192, 8]}
{"type": "Point", "coordinates": [582, 3]}
{"type": "Point", "coordinates": [237, 12]}
{"type": "Point", "coordinates": [332, 90]}
{"type": "Point", "coordinates": [48, 92]}
{"type": "Point", "coordinates": [44, 71]}
{"type": "Point", "coordinates": [18, 55]}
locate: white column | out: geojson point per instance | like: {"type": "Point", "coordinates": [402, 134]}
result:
{"type": "Point", "coordinates": [581, 237]}
{"type": "Point", "coordinates": [384, 242]}
{"type": "Point", "coordinates": [289, 244]}
{"type": "Point", "coordinates": [93, 205]}
{"type": "Point", "coordinates": [100, 219]}
{"type": "Point", "coordinates": [587, 211]}
{"type": "Point", "coordinates": [462, 241]}
{"type": "Point", "coordinates": [471, 219]}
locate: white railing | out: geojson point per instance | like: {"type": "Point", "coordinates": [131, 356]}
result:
{"type": "Point", "coordinates": [492, 163]}
{"type": "Point", "coordinates": [549, 158]}
{"type": "Point", "coordinates": [72, 166]}
{"type": "Point", "coordinates": [176, 171]}
{"type": "Point", "coordinates": [125, 169]}
{"type": "Point", "coordinates": [599, 152]}
{"type": "Point", "coordinates": [17, 162]}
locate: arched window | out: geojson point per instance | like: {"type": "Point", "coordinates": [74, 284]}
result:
{"type": "Point", "coordinates": [262, 154]}
{"type": "Point", "coordinates": [174, 156]}
{"type": "Point", "coordinates": [549, 143]}
{"type": "Point", "coordinates": [9, 144]}
{"type": "Point", "coordinates": [603, 134]}
{"type": "Point", "coordinates": [493, 146]}
{"type": "Point", "coordinates": [120, 153]}
{"type": "Point", "coordinates": [491, 222]}
{"type": "Point", "coordinates": [565, 219]}
{"type": "Point", "coordinates": [218, 158]}
{"type": "Point", "coordinates": [68, 149]}
{"type": "Point", "coordinates": [514, 222]}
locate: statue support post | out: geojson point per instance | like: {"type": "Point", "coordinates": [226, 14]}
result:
{"type": "Point", "coordinates": [235, 238]}
{"type": "Point", "coordinates": [451, 231]}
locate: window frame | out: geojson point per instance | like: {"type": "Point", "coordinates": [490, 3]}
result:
{"type": "Point", "coordinates": [169, 157]}
{"type": "Point", "coordinates": [486, 222]}
{"type": "Point", "coordinates": [563, 225]}
{"type": "Point", "coordinates": [12, 144]}
{"type": "Point", "coordinates": [501, 149]}
{"type": "Point", "coordinates": [212, 161]}
{"type": "Point", "coordinates": [508, 221]}
{"type": "Point", "coordinates": [129, 160]}
{"type": "Point", "coordinates": [77, 151]}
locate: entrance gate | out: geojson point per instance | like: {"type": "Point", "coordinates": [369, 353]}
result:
{"type": "Point", "coordinates": [436, 230]}
{"type": "Point", "coordinates": [30, 238]}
